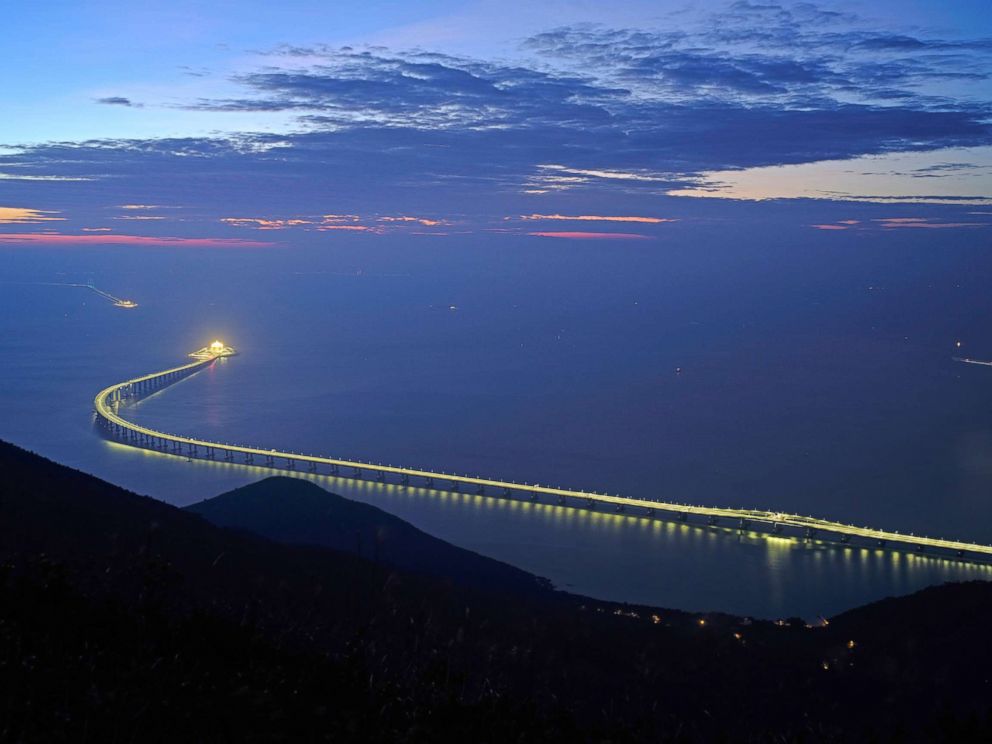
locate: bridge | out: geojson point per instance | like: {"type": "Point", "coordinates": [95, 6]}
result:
{"type": "Point", "coordinates": [117, 301]}
{"type": "Point", "coordinates": [111, 401]}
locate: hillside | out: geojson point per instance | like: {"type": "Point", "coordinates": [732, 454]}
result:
{"type": "Point", "coordinates": [295, 511]}
{"type": "Point", "coordinates": [124, 619]}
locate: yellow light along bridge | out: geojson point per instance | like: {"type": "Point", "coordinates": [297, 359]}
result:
{"type": "Point", "coordinates": [111, 400]}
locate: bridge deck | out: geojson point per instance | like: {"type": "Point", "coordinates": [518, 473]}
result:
{"type": "Point", "coordinates": [107, 404]}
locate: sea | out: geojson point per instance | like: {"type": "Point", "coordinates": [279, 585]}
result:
{"type": "Point", "coordinates": [789, 371]}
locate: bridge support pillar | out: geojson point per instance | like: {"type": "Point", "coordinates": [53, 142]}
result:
{"type": "Point", "coordinates": [312, 467]}
{"type": "Point", "coordinates": [228, 455]}
{"type": "Point", "coordinates": [290, 464]}
{"type": "Point", "coordinates": [480, 490]}
{"type": "Point", "coordinates": [356, 472]}
{"type": "Point", "coordinates": [711, 520]}
{"type": "Point", "coordinates": [269, 462]}
{"type": "Point", "coordinates": [405, 479]}
{"type": "Point", "coordinates": [334, 470]}
{"type": "Point", "coordinates": [561, 500]}
{"type": "Point", "coordinates": [455, 486]}
{"type": "Point", "coordinates": [809, 533]}
{"type": "Point", "coordinates": [380, 476]}
{"type": "Point", "coordinates": [619, 508]}
{"type": "Point", "coordinates": [683, 516]}
{"type": "Point", "coordinates": [429, 482]}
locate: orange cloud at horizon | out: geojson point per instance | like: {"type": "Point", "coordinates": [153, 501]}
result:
{"type": "Point", "coordinates": [830, 227]}
{"type": "Point", "coordinates": [26, 216]}
{"type": "Point", "coordinates": [136, 240]}
{"type": "Point", "coordinates": [596, 218]}
{"type": "Point", "coordinates": [260, 223]}
{"type": "Point", "coordinates": [427, 222]}
{"type": "Point", "coordinates": [325, 222]}
{"type": "Point", "coordinates": [573, 235]}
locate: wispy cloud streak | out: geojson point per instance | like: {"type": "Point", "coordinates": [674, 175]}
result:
{"type": "Point", "coordinates": [58, 239]}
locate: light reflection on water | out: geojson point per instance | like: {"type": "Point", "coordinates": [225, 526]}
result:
{"type": "Point", "coordinates": [630, 558]}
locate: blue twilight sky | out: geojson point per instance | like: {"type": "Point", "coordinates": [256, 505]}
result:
{"type": "Point", "coordinates": [234, 124]}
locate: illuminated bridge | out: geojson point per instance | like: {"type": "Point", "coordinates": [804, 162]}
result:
{"type": "Point", "coordinates": [112, 400]}
{"type": "Point", "coordinates": [117, 301]}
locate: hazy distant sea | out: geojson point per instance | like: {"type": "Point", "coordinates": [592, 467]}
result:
{"type": "Point", "coordinates": [813, 378]}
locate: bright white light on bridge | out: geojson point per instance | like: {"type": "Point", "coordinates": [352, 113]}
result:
{"type": "Point", "coordinates": [217, 347]}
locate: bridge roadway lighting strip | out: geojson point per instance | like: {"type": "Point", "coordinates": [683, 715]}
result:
{"type": "Point", "coordinates": [144, 437]}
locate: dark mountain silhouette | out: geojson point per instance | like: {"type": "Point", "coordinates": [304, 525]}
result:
{"type": "Point", "coordinates": [125, 619]}
{"type": "Point", "coordinates": [290, 510]}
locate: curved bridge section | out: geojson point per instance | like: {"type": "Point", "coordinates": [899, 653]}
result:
{"type": "Point", "coordinates": [110, 401]}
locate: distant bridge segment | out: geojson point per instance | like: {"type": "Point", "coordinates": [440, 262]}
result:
{"type": "Point", "coordinates": [117, 301]}
{"type": "Point", "coordinates": [973, 361]}
{"type": "Point", "coordinates": [110, 402]}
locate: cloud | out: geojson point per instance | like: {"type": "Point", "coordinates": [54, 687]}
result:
{"type": "Point", "coordinates": [26, 177]}
{"type": "Point", "coordinates": [331, 222]}
{"type": "Point", "coordinates": [55, 239]}
{"type": "Point", "coordinates": [555, 177]}
{"type": "Point", "coordinates": [569, 235]}
{"type": "Point", "coordinates": [425, 221]}
{"type": "Point", "coordinates": [25, 216]}
{"type": "Point", "coordinates": [260, 223]}
{"type": "Point", "coordinates": [593, 218]}
{"type": "Point", "coordinates": [585, 121]}
{"type": "Point", "coordinates": [788, 54]}
{"type": "Point", "coordinates": [354, 228]}
{"type": "Point", "coordinates": [887, 178]}
{"type": "Point", "coordinates": [336, 218]}
{"type": "Point", "coordinates": [416, 89]}
{"type": "Point", "coordinates": [119, 101]}
{"type": "Point", "coordinates": [889, 223]}
{"type": "Point", "coordinates": [923, 223]}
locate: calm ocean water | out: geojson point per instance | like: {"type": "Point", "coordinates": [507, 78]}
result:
{"type": "Point", "coordinates": [813, 379]}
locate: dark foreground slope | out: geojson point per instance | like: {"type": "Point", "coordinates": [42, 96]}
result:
{"type": "Point", "coordinates": [290, 510]}
{"type": "Point", "coordinates": [123, 619]}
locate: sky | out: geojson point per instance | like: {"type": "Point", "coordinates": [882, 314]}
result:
{"type": "Point", "coordinates": [247, 125]}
